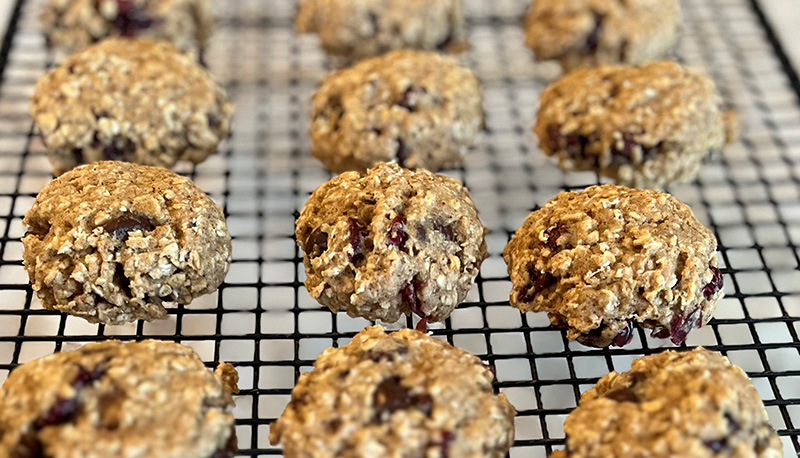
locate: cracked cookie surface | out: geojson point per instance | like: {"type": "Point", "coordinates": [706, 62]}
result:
{"type": "Point", "coordinates": [391, 242]}
{"type": "Point", "coordinates": [72, 25]}
{"type": "Point", "coordinates": [645, 126]}
{"type": "Point", "coordinates": [129, 100]}
{"type": "Point", "coordinates": [606, 258]}
{"type": "Point", "coordinates": [111, 241]}
{"type": "Point", "coordinates": [587, 33]}
{"type": "Point", "coordinates": [415, 108]}
{"type": "Point", "coordinates": [692, 404]}
{"type": "Point", "coordinates": [104, 399]}
{"type": "Point", "coordinates": [356, 29]}
{"type": "Point", "coordinates": [396, 395]}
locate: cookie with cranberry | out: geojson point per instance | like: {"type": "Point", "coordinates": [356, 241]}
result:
{"type": "Point", "coordinates": [391, 242]}
{"type": "Point", "coordinates": [356, 29]}
{"type": "Point", "coordinates": [646, 126]}
{"type": "Point", "coordinates": [111, 241]}
{"type": "Point", "coordinates": [692, 404]}
{"type": "Point", "coordinates": [603, 260]}
{"type": "Point", "coordinates": [115, 399]}
{"type": "Point", "coordinates": [396, 395]}
{"type": "Point", "coordinates": [129, 100]}
{"type": "Point", "coordinates": [71, 25]}
{"type": "Point", "coordinates": [587, 33]}
{"type": "Point", "coordinates": [415, 108]}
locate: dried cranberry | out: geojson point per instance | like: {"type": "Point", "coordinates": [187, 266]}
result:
{"type": "Point", "coordinates": [629, 144]}
{"type": "Point", "coordinates": [60, 412]}
{"type": "Point", "coordinates": [411, 97]}
{"type": "Point", "coordinates": [229, 449]}
{"type": "Point", "coordinates": [112, 153]}
{"type": "Point", "coordinates": [681, 324]}
{"type": "Point", "coordinates": [386, 355]}
{"type": "Point", "coordinates": [572, 144]}
{"type": "Point", "coordinates": [447, 438]}
{"type": "Point", "coordinates": [397, 232]}
{"type": "Point", "coordinates": [131, 18]}
{"type": "Point", "coordinates": [356, 237]}
{"type": "Point", "coordinates": [316, 243]}
{"type": "Point", "coordinates": [410, 298]}
{"type": "Point", "coordinates": [660, 332]}
{"type": "Point", "coordinates": [539, 281]}
{"type": "Point", "coordinates": [122, 225]}
{"type": "Point", "coordinates": [715, 285]}
{"type": "Point", "coordinates": [391, 396]}
{"type": "Point", "coordinates": [554, 234]}
{"type": "Point", "coordinates": [624, 336]}
{"type": "Point", "coordinates": [623, 395]}
{"type": "Point", "coordinates": [403, 151]}
{"type": "Point", "coordinates": [593, 40]}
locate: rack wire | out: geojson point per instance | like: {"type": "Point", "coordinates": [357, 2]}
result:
{"type": "Point", "coordinates": [262, 319]}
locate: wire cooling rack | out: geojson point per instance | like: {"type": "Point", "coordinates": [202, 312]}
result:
{"type": "Point", "coordinates": [263, 320]}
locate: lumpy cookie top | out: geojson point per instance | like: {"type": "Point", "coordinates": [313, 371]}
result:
{"type": "Point", "coordinates": [116, 400]}
{"type": "Point", "coordinates": [396, 395]}
{"type": "Point", "coordinates": [612, 115]}
{"type": "Point", "coordinates": [692, 404]}
{"type": "Point", "coordinates": [606, 257]}
{"type": "Point", "coordinates": [582, 33]}
{"type": "Point", "coordinates": [142, 96]}
{"type": "Point", "coordinates": [110, 241]}
{"type": "Point", "coordinates": [75, 24]}
{"type": "Point", "coordinates": [418, 109]}
{"type": "Point", "coordinates": [390, 242]}
{"type": "Point", "coordinates": [356, 29]}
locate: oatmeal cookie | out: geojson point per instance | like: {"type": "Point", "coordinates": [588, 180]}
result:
{"type": "Point", "coordinates": [111, 241]}
{"type": "Point", "coordinates": [693, 404]}
{"type": "Point", "coordinates": [71, 25]}
{"type": "Point", "coordinates": [586, 33]}
{"type": "Point", "coordinates": [391, 242]}
{"type": "Point", "coordinates": [645, 126]}
{"type": "Point", "coordinates": [600, 260]}
{"type": "Point", "coordinates": [129, 100]}
{"type": "Point", "coordinates": [119, 400]}
{"type": "Point", "coordinates": [355, 29]}
{"type": "Point", "coordinates": [396, 395]}
{"type": "Point", "coordinates": [415, 108]}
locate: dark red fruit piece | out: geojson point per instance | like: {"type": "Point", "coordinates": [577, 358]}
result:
{"type": "Point", "coordinates": [112, 153]}
{"type": "Point", "coordinates": [624, 336]}
{"type": "Point", "coordinates": [120, 226]}
{"type": "Point", "coordinates": [623, 395]}
{"type": "Point", "coordinates": [397, 232]}
{"type": "Point", "coordinates": [572, 144]}
{"type": "Point", "coordinates": [356, 236]}
{"type": "Point", "coordinates": [391, 396]}
{"type": "Point", "coordinates": [384, 355]}
{"type": "Point", "coordinates": [538, 282]}
{"type": "Point", "coordinates": [410, 97]}
{"type": "Point", "coordinates": [229, 449]}
{"type": "Point", "coordinates": [593, 40]}
{"type": "Point", "coordinates": [316, 243]}
{"type": "Point", "coordinates": [681, 324]}
{"type": "Point", "coordinates": [60, 412]}
{"type": "Point", "coordinates": [131, 18]}
{"type": "Point", "coordinates": [629, 144]}
{"type": "Point", "coordinates": [447, 438]}
{"type": "Point", "coordinates": [403, 151]}
{"type": "Point", "coordinates": [715, 285]}
{"type": "Point", "coordinates": [554, 234]}
{"type": "Point", "coordinates": [660, 332]}
{"type": "Point", "coordinates": [411, 299]}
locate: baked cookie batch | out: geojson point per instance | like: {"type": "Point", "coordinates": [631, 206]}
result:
{"type": "Point", "coordinates": [117, 235]}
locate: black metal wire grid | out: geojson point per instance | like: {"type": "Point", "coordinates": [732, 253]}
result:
{"type": "Point", "coordinates": [264, 322]}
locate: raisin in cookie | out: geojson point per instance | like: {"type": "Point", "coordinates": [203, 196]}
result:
{"type": "Point", "coordinates": [355, 29]}
{"type": "Point", "coordinates": [114, 399]}
{"type": "Point", "coordinates": [71, 25]}
{"type": "Point", "coordinates": [603, 259]}
{"type": "Point", "coordinates": [416, 108]}
{"type": "Point", "coordinates": [396, 395]}
{"type": "Point", "coordinates": [586, 33]}
{"type": "Point", "coordinates": [391, 242]}
{"type": "Point", "coordinates": [111, 241]}
{"type": "Point", "coordinates": [645, 126]}
{"type": "Point", "coordinates": [693, 404]}
{"type": "Point", "coordinates": [134, 100]}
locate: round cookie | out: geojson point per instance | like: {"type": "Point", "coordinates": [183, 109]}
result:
{"type": "Point", "coordinates": [391, 242]}
{"type": "Point", "coordinates": [395, 395]}
{"type": "Point", "coordinates": [600, 260]}
{"type": "Point", "coordinates": [134, 100]}
{"type": "Point", "coordinates": [693, 404]}
{"type": "Point", "coordinates": [586, 33]}
{"type": "Point", "coordinates": [111, 241]}
{"type": "Point", "coordinates": [355, 29]}
{"type": "Point", "coordinates": [71, 25]}
{"type": "Point", "coordinates": [415, 108]}
{"type": "Point", "coordinates": [645, 126]}
{"type": "Point", "coordinates": [115, 400]}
